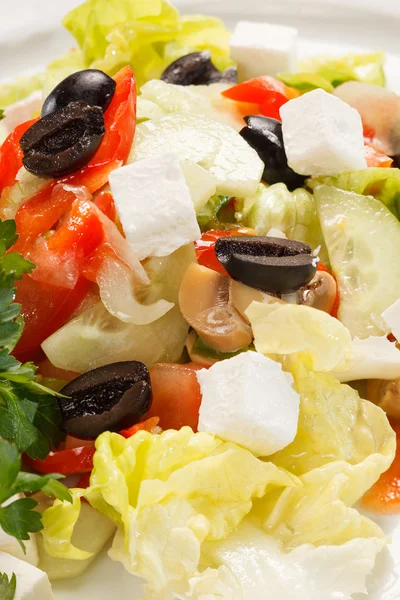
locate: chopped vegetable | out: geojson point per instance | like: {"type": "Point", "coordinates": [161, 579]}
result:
{"type": "Point", "coordinates": [367, 68]}
{"type": "Point", "coordinates": [305, 82]}
{"type": "Point", "coordinates": [7, 586]}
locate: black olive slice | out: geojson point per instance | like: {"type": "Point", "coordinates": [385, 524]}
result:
{"type": "Point", "coordinates": [265, 136]}
{"type": "Point", "coordinates": [64, 141]}
{"type": "Point", "coordinates": [274, 265]}
{"type": "Point", "coordinates": [109, 398]}
{"type": "Point", "coordinates": [197, 69]}
{"type": "Point", "coordinates": [91, 86]}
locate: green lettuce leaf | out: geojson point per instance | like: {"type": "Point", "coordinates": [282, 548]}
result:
{"type": "Point", "coordinates": [293, 213]}
{"type": "Point", "coordinates": [381, 183]}
{"type": "Point", "coordinates": [147, 34]}
{"type": "Point", "coordinates": [306, 82]}
{"type": "Point", "coordinates": [168, 493]}
{"type": "Point", "coordinates": [300, 332]}
{"type": "Point", "coordinates": [367, 68]}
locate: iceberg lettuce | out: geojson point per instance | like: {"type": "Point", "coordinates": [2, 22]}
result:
{"type": "Point", "coordinates": [367, 68]}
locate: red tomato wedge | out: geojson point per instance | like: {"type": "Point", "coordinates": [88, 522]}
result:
{"type": "Point", "coordinates": [105, 203]}
{"type": "Point", "coordinates": [148, 425]}
{"type": "Point", "coordinates": [205, 247]}
{"type": "Point", "coordinates": [269, 93]}
{"type": "Point", "coordinates": [375, 158]}
{"type": "Point", "coordinates": [176, 395]}
{"type": "Point", "coordinates": [65, 462]}
{"type": "Point", "coordinates": [11, 155]}
{"type": "Point", "coordinates": [40, 213]}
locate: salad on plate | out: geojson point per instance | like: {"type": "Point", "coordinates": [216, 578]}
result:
{"type": "Point", "coordinates": [199, 311]}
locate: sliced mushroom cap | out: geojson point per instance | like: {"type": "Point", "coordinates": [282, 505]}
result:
{"type": "Point", "coordinates": [320, 293]}
{"type": "Point", "coordinates": [386, 395]}
{"type": "Point", "coordinates": [205, 304]}
{"type": "Point", "coordinates": [241, 296]}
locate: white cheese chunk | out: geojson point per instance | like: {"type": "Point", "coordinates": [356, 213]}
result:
{"type": "Point", "coordinates": [322, 135]}
{"type": "Point", "coordinates": [392, 317]}
{"type": "Point", "coordinates": [21, 111]}
{"type": "Point", "coordinates": [374, 357]}
{"type": "Point", "coordinates": [9, 543]}
{"type": "Point", "coordinates": [263, 49]}
{"type": "Point", "coordinates": [154, 205]}
{"type": "Point", "coordinates": [32, 583]}
{"type": "Point", "coordinates": [249, 400]}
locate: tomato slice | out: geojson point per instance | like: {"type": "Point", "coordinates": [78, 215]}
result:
{"type": "Point", "coordinates": [11, 155]}
{"type": "Point", "coordinates": [147, 425]}
{"type": "Point", "coordinates": [176, 395]}
{"type": "Point", "coordinates": [205, 247]}
{"type": "Point", "coordinates": [105, 203]}
{"type": "Point", "coordinates": [269, 93]}
{"type": "Point", "coordinates": [375, 158]}
{"type": "Point", "coordinates": [43, 210]}
{"type": "Point", "coordinates": [65, 462]}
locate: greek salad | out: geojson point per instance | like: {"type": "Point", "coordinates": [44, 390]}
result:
{"type": "Point", "coordinates": [199, 311]}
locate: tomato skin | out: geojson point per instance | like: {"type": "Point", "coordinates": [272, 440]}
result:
{"type": "Point", "coordinates": [147, 425]}
{"type": "Point", "coordinates": [45, 308]}
{"type": "Point", "coordinates": [269, 93]}
{"type": "Point", "coordinates": [11, 155]}
{"type": "Point", "coordinates": [205, 247]}
{"type": "Point", "coordinates": [105, 203]}
{"type": "Point", "coordinates": [65, 462]}
{"type": "Point", "coordinates": [46, 369]}
{"type": "Point", "coordinates": [375, 158]}
{"type": "Point", "coordinates": [176, 395]}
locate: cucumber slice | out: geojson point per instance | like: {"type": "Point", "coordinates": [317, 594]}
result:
{"type": "Point", "coordinates": [96, 338]}
{"type": "Point", "coordinates": [216, 147]}
{"type": "Point", "coordinates": [363, 240]}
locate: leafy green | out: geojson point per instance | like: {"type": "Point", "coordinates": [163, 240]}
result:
{"type": "Point", "coordinates": [201, 349]}
{"type": "Point", "coordinates": [208, 217]}
{"type": "Point", "coordinates": [29, 414]}
{"type": "Point", "coordinates": [367, 68]}
{"type": "Point", "coordinates": [20, 88]}
{"type": "Point", "coordinates": [381, 183]}
{"type": "Point", "coordinates": [306, 82]}
{"type": "Point", "coordinates": [147, 34]}
{"type": "Point", "coordinates": [294, 213]}
{"type": "Point", "coordinates": [19, 518]}
{"type": "Point", "coordinates": [7, 586]}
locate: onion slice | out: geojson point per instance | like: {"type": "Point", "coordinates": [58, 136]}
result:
{"type": "Point", "coordinates": [116, 282]}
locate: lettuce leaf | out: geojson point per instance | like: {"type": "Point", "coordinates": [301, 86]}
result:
{"type": "Point", "coordinates": [293, 213]}
{"type": "Point", "coordinates": [367, 68]}
{"type": "Point", "coordinates": [306, 82]}
{"type": "Point", "coordinates": [147, 34]}
{"type": "Point", "coordinates": [381, 183]}
{"type": "Point", "coordinates": [300, 331]}
{"type": "Point", "coordinates": [168, 493]}
{"type": "Point", "coordinates": [263, 570]}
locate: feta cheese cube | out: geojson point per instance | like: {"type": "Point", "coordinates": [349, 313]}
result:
{"type": "Point", "coordinates": [249, 400]}
{"type": "Point", "coordinates": [263, 49]}
{"type": "Point", "coordinates": [32, 583]}
{"type": "Point", "coordinates": [322, 135]}
{"type": "Point", "coordinates": [392, 317]}
{"type": "Point", "coordinates": [154, 205]}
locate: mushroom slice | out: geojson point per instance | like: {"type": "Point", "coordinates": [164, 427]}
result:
{"type": "Point", "coordinates": [320, 293]}
{"type": "Point", "coordinates": [205, 304]}
{"type": "Point", "coordinates": [241, 296]}
{"type": "Point", "coordinates": [386, 395]}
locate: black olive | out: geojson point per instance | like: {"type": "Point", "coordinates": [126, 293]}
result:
{"type": "Point", "coordinates": [265, 136]}
{"type": "Point", "coordinates": [64, 141]}
{"type": "Point", "coordinates": [197, 69]}
{"type": "Point", "coordinates": [91, 86]}
{"type": "Point", "coordinates": [109, 398]}
{"type": "Point", "coordinates": [274, 265]}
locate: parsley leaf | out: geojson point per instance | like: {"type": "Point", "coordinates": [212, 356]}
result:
{"type": "Point", "coordinates": [19, 518]}
{"type": "Point", "coordinates": [29, 412]}
{"type": "Point", "coordinates": [2, 115]}
{"type": "Point", "coordinates": [7, 586]}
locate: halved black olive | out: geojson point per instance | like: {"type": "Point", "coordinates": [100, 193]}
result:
{"type": "Point", "coordinates": [91, 86]}
{"type": "Point", "coordinates": [265, 136]}
{"type": "Point", "coordinates": [197, 69]}
{"type": "Point", "coordinates": [64, 141]}
{"type": "Point", "coordinates": [274, 265]}
{"type": "Point", "coordinates": [109, 398]}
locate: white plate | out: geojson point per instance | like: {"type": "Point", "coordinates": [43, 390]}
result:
{"type": "Point", "coordinates": [334, 27]}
